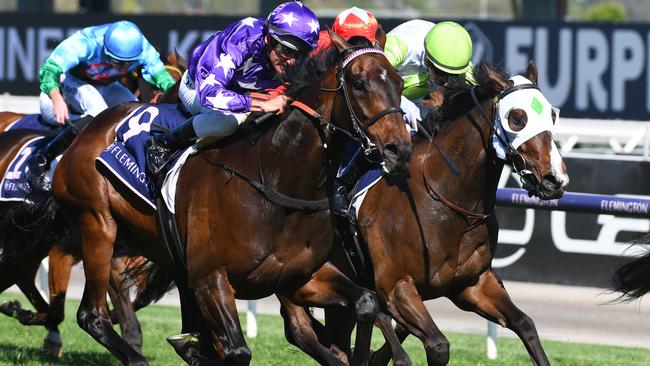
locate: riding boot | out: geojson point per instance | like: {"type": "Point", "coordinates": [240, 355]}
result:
{"type": "Point", "coordinates": [39, 163]}
{"type": "Point", "coordinates": [343, 184]}
{"type": "Point", "coordinates": [160, 149]}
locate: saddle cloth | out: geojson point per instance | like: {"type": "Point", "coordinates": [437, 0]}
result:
{"type": "Point", "coordinates": [125, 158]}
{"type": "Point", "coordinates": [14, 186]}
{"type": "Point", "coordinates": [32, 122]}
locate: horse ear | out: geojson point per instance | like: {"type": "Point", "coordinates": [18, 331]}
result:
{"type": "Point", "coordinates": [171, 58]}
{"type": "Point", "coordinates": [380, 38]}
{"type": "Point", "coordinates": [532, 71]}
{"type": "Point", "coordinates": [496, 81]}
{"type": "Point", "coordinates": [338, 42]}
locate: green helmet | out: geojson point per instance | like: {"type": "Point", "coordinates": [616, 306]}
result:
{"type": "Point", "coordinates": [449, 47]}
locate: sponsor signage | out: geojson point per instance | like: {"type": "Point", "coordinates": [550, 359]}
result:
{"type": "Point", "coordinates": [576, 248]}
{"type": "Point", "coordinates": [587, 70]}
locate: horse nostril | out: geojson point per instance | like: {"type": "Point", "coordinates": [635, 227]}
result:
{"type": "Point", "coordinates": [551, 180]}
{"type": "Point", "coordinates": [393, 150]}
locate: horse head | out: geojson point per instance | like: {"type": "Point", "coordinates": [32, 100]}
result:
{"type": "Point", "coordinates": [370, 107]}
{"type": "Point", "coordinates": [524, 122]}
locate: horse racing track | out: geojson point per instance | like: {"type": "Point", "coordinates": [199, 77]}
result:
{"type": "Point", "coordinates": [20, 345]}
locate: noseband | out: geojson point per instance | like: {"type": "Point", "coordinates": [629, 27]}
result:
{"type": "Point", "coordinates": [358, 127]}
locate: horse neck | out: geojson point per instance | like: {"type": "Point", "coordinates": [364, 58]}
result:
{"type": "Point", "coordinates": [293, 157]}
{"type": "Point", "coordinates": [466, 141]}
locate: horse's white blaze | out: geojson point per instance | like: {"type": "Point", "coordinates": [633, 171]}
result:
{"type": "Point", "coordinates": [383, 75]}
{"type": "Point", "coordinates": [556, 164]}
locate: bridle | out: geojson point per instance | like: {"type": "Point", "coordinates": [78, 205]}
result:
{"type": "Point", "coordinates": [513, 156]}
{"type": "Point", "coordinates": [358, 127]}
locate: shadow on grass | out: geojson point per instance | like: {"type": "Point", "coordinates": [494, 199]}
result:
{"type": "Point", "coordinates": [25, 355]}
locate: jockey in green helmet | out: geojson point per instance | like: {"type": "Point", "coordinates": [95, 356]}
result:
{"type": "Point", "coordinates": [448, 52]}
{"type": "Point", "coordinates": [425, 55]}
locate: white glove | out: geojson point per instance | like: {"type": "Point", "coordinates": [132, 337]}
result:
{"type": "Point", "coordinates": [411, 113]}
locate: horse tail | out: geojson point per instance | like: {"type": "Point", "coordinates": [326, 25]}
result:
{"type": "Point", "coordinates": [29, 228]}
{"type": "Point", "coordinates": [632, 279]}
{"type": "Point", "coordinates": [151, 281]}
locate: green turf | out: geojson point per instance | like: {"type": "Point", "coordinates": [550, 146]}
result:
{"type": "Point", "coordinates": [20, 345]}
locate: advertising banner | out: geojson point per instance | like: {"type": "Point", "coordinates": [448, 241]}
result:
{"type": "Point", "coordinates": [587, 70]}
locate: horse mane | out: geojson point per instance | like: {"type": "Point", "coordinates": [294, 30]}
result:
{"type": "Point", "coordinates": [458, 98]}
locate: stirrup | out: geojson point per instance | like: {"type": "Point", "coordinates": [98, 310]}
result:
{"type": "Point", "coordinates": [37, 169]}
{"type": "Point", "coordinates": [158, 157]}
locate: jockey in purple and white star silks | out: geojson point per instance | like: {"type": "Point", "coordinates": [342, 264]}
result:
{"type": "Point", "coordinates": [247, 56]}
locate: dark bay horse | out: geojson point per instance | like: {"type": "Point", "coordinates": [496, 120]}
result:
{"type": "Point", "coordinates": [29, 233]}
{"type": "Point", "coordinates": [442, 237]}
{"type": "Point", "coordinates": [238, 243]}
{"type": "Point", "coordinates": [442, 233]}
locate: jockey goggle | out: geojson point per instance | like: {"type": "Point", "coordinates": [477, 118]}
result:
{"type": "Point", "coordinates": [119, 64]}
{"type": "Point", "coordinates": [436, 74]}
{"type": "Point", "coordinates": [284, 52]}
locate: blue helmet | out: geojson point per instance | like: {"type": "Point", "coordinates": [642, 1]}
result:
{"type": "Point", "coordinates": [123, 41]}
{"type": "Point", "coordinates": [294, 25]}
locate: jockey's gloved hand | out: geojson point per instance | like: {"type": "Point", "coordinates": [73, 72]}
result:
{"type": "Point", "coordinates": [411, 113]}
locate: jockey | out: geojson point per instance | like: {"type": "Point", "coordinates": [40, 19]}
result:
{"type": "Point", "coordinates": [426, 55]}
{"type": "Point", "coordinates": [92, 60]}
{"type": "Point", "coordinates": [350, 23]}
{"type": "Point", "coordinates": [246, 56]}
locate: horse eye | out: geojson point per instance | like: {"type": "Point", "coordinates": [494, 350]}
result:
{"type": "Point", "coordinates": [553, 115]}
{"type": "Point", "coordinates": [359, 84]}
{"type": "Point", "coordinates": [517, 120]}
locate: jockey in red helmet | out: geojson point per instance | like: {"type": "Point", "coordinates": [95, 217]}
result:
{"type": "Point", "coordinates": [349, 23]}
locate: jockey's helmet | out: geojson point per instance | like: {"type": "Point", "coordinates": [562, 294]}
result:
{"type": "Point", "coordinates": [123, 41]}
{"type": "Point", "coordinates": [295, 26]}
{"type": "Point", "coordinates": [449, 47]}
{"type": "Point", "coordinates": [355, 22]}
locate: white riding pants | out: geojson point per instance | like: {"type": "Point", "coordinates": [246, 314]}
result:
{"type": "Point", "coordinates": [207, 122]}
{"type": "Point", "coordinates": [85, 99]}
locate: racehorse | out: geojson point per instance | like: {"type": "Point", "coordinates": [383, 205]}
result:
{"type": "Point", "coordinates": [28, 234]}
{"type": "Point", "coordinates": [63, 252]}
{"type": "Point", "coordinates": [441, 239]}
{"type": "Point", "coordinates": [237, 242]}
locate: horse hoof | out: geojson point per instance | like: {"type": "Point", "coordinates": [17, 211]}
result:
{"type": "Point", "coordinates": [52, 349]}
{"type": "Point", "coordinates": [10, 308]}
{"type": "Point", "coordinates": [186, 345]}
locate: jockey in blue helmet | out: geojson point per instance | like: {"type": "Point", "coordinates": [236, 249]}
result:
{"type": "Point", "coordinates": [91, 60]}
{"type": "Point", "coordinates": [249, 55]}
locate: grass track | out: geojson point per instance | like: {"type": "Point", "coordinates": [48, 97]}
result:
{"type": "Point", "coordinates": [20, 345]}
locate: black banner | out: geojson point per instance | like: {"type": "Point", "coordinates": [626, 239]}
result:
{"type": "Point", "coordinates": [587, 70]}
{"type": "Point", "coordinates": [574, 248]}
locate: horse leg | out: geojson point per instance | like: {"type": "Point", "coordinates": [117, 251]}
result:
{"type": "Point", "coordinates": [329, 287]}
{"type": "Point", "coordinates": [392, 347]}
{"type": "Point", "coordinates": [216, 298]}
{"type": "Point", "coordinates": [122, 307]}
{"type": "Point", "coordinates": [60, 266]}
{"type": "Point", "coordinates": [304, 332]}
{"type": "Point", "coordinates": [98, 234]}
{"type": "Point", "coordinates": [405, 305]}
{"type": "Point", "coordinates": [489, 299]}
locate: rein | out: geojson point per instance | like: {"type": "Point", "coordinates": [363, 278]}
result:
{"type": "Point", "coordinates": [516, 159]}
{"type": "Point", "coordinates": [273, 195]}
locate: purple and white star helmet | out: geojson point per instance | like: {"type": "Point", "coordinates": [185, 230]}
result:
{"type": "Point", "coordinates": [294, 25]}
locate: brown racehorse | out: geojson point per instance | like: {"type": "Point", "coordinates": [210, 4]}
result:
{"type": "Point", "coordinates": [64, 252]}
{"type": "Point", "coordinates": [27, 235]}
{"type": "Point", "coordinates": [442, 234]}
{"type": "Point", "coordinates": [238, 243]}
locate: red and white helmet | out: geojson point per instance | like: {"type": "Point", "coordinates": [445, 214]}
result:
{"type": "Point", "coordinates": [355, 22]}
